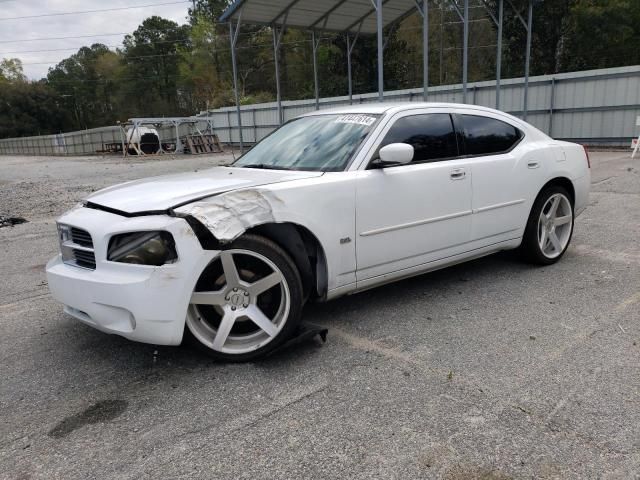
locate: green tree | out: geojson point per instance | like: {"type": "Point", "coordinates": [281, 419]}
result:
{"type": "Point", "coordinates": [151, 57]}
{"type": "Point", "coordinates": [30, 109]}
{"type": "Point", "coordinates": [202, 82]}
{"type": "Point", "coordinates": [11, 70]}
{"type": "Point", "coordinates": [551, 21]}
{"type": "Point", "coordinates": [109, 73]}
{"type": "Point", "coordinates": [207, 10]}
{"type": "Point", "coordinates": [82, 83]}
{"type": "Point", "coordinates": [601, 34]}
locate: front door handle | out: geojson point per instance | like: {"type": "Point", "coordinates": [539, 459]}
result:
{"type": "Point", "coordinates": [457, 174]}
{"type": "Point", "coordinates": [533, 164]}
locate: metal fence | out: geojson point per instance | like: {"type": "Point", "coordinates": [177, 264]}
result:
{"type": "Point", "coordinates": [84, 142]}
{"type": "Point", "coordinates": [72, 143]}
{"type": "Point", "coordinates": [596, 107]}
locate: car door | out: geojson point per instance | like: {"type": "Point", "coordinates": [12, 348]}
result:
{"type": "Point", "coordinates": [501, 176]}
{"type": "Point", "coordinates": [413, 214]}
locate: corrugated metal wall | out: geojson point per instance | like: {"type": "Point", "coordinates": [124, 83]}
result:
{"type": "Point", "coordinates": [595, 107]}
{"type": "Point", "coordinates": [84, 142]}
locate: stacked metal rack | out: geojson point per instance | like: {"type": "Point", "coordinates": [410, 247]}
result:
{"type": "Point", "coordinates": [195, 141]}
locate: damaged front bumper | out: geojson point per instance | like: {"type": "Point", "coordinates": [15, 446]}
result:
{"type": "Point", "coordinates": [140, 302]}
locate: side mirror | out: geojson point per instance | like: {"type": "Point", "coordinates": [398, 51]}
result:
{"type": "Point", "coordinates": [396, 154]}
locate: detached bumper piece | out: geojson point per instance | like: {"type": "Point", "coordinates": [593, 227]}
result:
{"type": "Point", "coordinates": [305, 333]}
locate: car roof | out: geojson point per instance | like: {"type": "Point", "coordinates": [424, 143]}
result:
{"type": "Point", "coordinates": [379, 108]}
{"type": "Point", "coordinates": [393, 107]}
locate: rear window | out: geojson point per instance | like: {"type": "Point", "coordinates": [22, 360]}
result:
{"type": "Point", "coordinates": [486, 136]}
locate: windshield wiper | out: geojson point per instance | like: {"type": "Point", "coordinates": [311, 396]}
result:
{"type": "Point", "coordinates": [264, 166]}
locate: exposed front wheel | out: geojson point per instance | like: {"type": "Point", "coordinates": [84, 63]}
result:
{"type": "Point", "coordinates": [549, 227]}
{"type": "Point", "coordinates": [247, 301]}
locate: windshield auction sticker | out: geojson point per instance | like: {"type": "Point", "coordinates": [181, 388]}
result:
{"type": "Point", "coordinates": [357, 119]}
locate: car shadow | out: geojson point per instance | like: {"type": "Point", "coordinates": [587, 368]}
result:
{"type": "Point", "coordinates": [447, 280]}
{"type": "Point", "coordinates": [154, 360]}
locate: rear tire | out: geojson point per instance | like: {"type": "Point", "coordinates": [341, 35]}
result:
{"type": "Point", "coordinates": [549, 227]}
{"type": "Point", "coordinates": [247, 302]}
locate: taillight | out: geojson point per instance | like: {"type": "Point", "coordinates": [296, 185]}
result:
{"type": "Point", "coordinates": [586, 154]}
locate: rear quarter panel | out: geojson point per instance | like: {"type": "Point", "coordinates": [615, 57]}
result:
{"type": "Point", "coordinates": [575, 166]}
{"type": "Point", "coordinates": [557, 160]}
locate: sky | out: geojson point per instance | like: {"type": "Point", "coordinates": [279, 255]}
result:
{"type": "Point", "coordinates": [119, 22]}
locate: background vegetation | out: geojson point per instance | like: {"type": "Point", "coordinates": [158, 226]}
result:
{"type": "Point", "coordinates": [168, 69]}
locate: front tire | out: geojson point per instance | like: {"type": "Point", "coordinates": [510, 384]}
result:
{"type": "Point", "coordinates": [549, 227]}
{"type": "Point", "coordinates": [247, 301]}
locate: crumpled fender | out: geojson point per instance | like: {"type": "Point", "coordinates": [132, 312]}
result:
{"type": "Point", "coordinates": [229, 215]}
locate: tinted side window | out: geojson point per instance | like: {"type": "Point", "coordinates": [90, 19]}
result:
{"type": "Point", "coordinates": [432, 136]}
{"type": "Point", "coordinates": [483, 135]}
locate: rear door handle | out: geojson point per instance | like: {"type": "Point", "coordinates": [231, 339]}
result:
{"type": "Point", "coordinates": [533, 164]}
{"type": "Point", "coordinates": [457, 174]}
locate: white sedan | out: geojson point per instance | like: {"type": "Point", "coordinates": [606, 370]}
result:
{"type": "Point", "coordinates": [331, 203]}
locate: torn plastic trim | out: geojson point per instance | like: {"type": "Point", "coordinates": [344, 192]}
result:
{"type": "Point", "coordinates": [204, 236]}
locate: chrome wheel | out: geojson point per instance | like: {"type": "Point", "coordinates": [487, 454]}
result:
{"type": "Point", "coordinates": [240, 303]}
{"type": "Point", "coordinates": [554, 225]}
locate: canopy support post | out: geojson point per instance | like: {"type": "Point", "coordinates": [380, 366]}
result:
{"type": "Point", "coordinates": [527, 61]}
{"type": "Point", "coordinates": [528, 25]}
{"type": "Point", "coordinates": [498, 21]}
{"type": "Point", "coordinates": [277, 40]}
{"type": "Point", "coordinates": [276, 62]}
{"type": "Point", "coordinates": [233, 37]}
{"type": "Point", "coordinates": [464, 16]}
{"type": "Point", "coordinates": [378, 6]}
{"type": "Point", "coordinates": [314, 47]}
{"type": "Point", "coordinates": [424, 11]}
{"type": "Point", "coordinates": [350, 46]}
{"type": "Point", "coordinates": [499, 52]}
{"type": "Point", "coordinates": [465, 52]}
{"type": "Point", "coordinates": [349, 82]}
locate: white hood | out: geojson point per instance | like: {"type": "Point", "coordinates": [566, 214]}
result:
{"type": "Point", "coordinates": [167, 191]}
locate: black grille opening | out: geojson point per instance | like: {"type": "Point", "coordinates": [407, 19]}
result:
{"type": "Point", "coordinates": [81, 237]}
{"type": "Point", "coordinates": [84, 259]}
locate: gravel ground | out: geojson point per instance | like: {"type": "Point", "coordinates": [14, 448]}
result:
{"type": "Point", "coordinates": [492, 369]}
{"type": "Point", "coordinates": [40, 188]}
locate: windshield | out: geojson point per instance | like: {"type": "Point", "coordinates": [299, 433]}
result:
{"type": "Point", "coordinates": [319, 143]}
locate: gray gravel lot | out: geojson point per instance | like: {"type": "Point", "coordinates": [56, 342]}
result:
{"type": "Point", "coordinates": [493, 369]}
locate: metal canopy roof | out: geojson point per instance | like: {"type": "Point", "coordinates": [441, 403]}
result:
{"type": "Point", "coordinates": [329, 15]}
{"type": "Point", "coordinates": [359, 16]}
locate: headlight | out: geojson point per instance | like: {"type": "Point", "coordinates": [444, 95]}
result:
{"type": "Point", "coordinates": [143, 248]}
